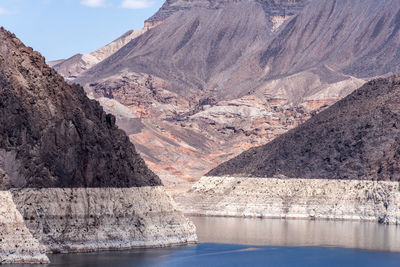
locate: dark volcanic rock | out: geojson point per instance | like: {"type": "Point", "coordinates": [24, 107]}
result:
{"type": "Point", "coordinates": [52, 135]}
{"type": "Point", "coordinates": [356, 138]}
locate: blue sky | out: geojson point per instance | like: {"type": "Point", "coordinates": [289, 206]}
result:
{"type": "Point", "coordinates": [61, 28]}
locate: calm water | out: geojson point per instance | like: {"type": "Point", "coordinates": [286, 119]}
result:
{"type": "Point", "coordinates": [263, 242]}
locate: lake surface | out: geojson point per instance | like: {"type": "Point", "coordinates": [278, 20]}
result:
{"type": "Point", "coordinates": [262, 242]}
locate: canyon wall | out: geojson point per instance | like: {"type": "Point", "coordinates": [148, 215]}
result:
{"type": "Point", "coordinates": [294, 198]}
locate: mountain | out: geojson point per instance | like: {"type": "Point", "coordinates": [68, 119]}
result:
{"type": "Point", "coordinates": [356, 138]}
{"type": "Point", "coordinates": [172, 72]}
{"type": "Point", "coordinates": [74, 66]}
{"type": "Point", "coordinates": [197, 45]}
{"type": "Point", "coordinates": [70, 179]}
{"type": "Point", "coordinates": [214, 78]}
{"type": "Point", "coordinates": [52, 135]}
{"type": "Point", "coordinates": [334, 40]}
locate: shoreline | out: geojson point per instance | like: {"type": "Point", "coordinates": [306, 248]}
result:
{"type": "Point", "coordinates": [82, 220]}
{"type": "Point", "coordinates": [293, 198]}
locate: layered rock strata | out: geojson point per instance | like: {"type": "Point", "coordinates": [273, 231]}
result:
{"type": "Point", "coordinates": [17, 245]}
{"type": "Point", "coordinates": [294, 199]}
{"type": "Point", "coordinates": [92, 219]}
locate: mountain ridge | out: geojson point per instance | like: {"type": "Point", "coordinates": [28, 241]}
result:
{"type": "Point", "coordinates": [237, 74]}
{"type": "Point", "coordinates": [355, 138]}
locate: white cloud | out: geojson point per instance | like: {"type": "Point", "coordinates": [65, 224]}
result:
{"type": "Point", "coordinates": [94, 3]}
{"type": "Point", "coordinates": [136, 4]}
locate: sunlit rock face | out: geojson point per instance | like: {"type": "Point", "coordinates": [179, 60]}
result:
{"type": "Point", "coordinates": [187, 78]}
{"type": "Point", "coordinates": [294, 198]}
{"type": "Point", "coordinates": [94, 219]}
{"type": "Point", "coordinates": [71, 180]}
{"type": "Point", "coordinates": [177, 70]}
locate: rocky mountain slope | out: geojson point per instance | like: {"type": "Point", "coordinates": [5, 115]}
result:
{"type": "Point", "coordinates": [70, 180]}
{"type": "Point", "coordinates": [74, 66]}
{"type": "Point", "coordinates": [165, 77]}
{"type": "Point", "coordinates": [356, 138]}
{"type": "Point", "coordinates": [212, 79]}
{"type": "Point", "coordinates": [335, 40]}
{"type": "Point", "coordinates": [196, 47]}
{"type": "Point", "coordinates": [52, 135]}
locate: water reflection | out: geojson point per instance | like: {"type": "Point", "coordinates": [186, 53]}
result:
{"type": "Point", "coordinates": [230, 242]}
{"type": "Point", "coordinates": [276, 232]}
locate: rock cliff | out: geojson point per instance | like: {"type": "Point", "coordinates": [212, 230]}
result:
{"type": "Point", "coordinates": [94, 219]}
{"type": "Point", "coordinates": [295, 198]}
{"type": "Point", "coordinates": [71, 180]}
{"type": "Point", "coordinates": [52, 135]}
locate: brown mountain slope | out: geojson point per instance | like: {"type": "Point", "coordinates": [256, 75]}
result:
{"type": "Point", "coordinates": [52, 135]}
{"type": "Point", "coordinates": [356, 138]}
{"type": "Point", "coordinates": [239, 73]}
{"type": "Point", "coordinates": [195, 48]}
{"type": "Point", "coordinates": [358, 38]}
{"type": "Point", "coordinates": [172, 74]}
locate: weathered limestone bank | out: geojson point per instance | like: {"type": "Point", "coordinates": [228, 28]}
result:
{"type": "Point", "coordinates": [294, 198]}
{"type": "Point", "coordinates": [16, 242]}
{"type": "Point", "coordinates": [92, 219]}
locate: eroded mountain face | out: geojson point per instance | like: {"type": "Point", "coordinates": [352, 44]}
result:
{"type": "Point", "coordinates": [171, 78]}
{"type": "Point", "coordinates": [52, 135]}
{"type": "Point", "coordinates": [76, 65]}
{"type": "Point", "coordinates": [356, 138]}
{"type": "Point", "coordinates": [213, 79]}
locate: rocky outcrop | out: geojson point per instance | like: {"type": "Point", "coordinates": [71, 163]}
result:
{"type": "Point", "coordinates": [183, 145]}
{"type": "Point", "coordinates": [59, 137]}
{"type": "Point", "coordinates": [92, 219]}
{"type": "Point", "coordinates": [17, 245]}
{"type": "Point", "coordinates": [294, 198]}
{"type": "Point", "coordinates": [356, 138]}
{"type": "Point", "coordinates": [75, 182]}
